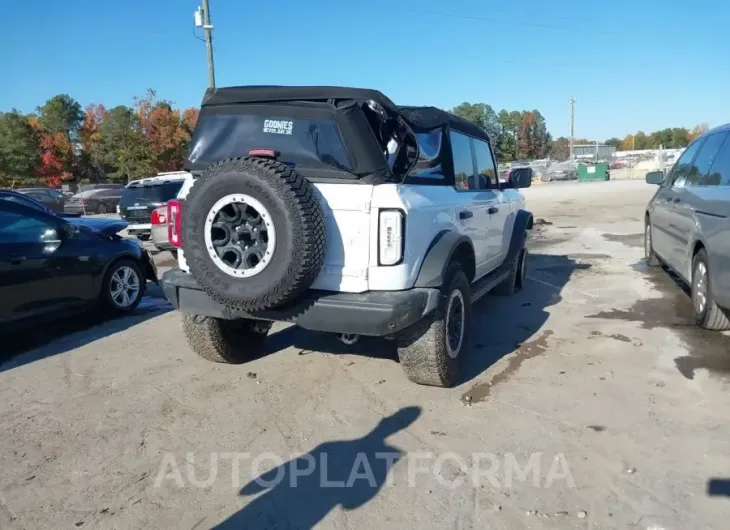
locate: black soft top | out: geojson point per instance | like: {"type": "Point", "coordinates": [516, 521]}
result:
{"type": "Point", "coordinates": [420, 118]}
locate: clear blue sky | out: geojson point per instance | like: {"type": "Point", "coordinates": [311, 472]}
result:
{"type": "Point", "coordinates": [630, 64]}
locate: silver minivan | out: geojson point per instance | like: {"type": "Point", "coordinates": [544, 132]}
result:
{"type": "Point", "coordinates": [688, 225]}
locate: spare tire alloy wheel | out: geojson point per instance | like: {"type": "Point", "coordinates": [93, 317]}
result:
{"type": "Point", "coordinates": [240, 235]}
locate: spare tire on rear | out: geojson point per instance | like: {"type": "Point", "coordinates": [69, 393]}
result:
{"type": "Point", "coordinates": [253, 233]}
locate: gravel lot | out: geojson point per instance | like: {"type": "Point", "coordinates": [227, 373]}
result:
{"type": "Point", "coordinates": [594, 374]}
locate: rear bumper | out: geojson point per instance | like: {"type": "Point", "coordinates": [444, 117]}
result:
{"type": "Point", "coordinates": [142, 228]}
{"type": "Point", "coordinates": [374, 313]}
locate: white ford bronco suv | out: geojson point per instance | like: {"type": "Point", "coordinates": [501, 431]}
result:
{"type": "Point", "coordinates": [336, 210]}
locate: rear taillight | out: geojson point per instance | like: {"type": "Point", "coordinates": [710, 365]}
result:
{"type": "Point", "coordinates": [158, 218]}
{"type": "Point", "coordinates": [390, 236]}
{"type": "Point", "coordinates": [174, 228]}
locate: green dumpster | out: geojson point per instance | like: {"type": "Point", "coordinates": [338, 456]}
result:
{"type": "Point", "coordinates": [591, 172]}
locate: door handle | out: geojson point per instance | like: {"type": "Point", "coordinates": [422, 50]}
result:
{"type": "Point", "coordinates": [17, 260]}
{"type": "Point", "coordinates": [492, 209]}
{"type": "Point", "coordinates": [466, 214]}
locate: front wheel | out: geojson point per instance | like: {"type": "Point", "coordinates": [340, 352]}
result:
{"type": "Point", "coordinates": [707, 313]}
{"type": "Point", "coordinates": [225, 341]}
{"type": "Point", "coordinates": [123, 286]}
{"type": "Point", "coordinates": [649, 255]}
{"type": "Point", "coordinates": [430, 350]}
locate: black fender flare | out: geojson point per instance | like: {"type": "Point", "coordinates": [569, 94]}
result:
{"type": "Point", "coordinates": [438, 256]}
{"type": "Point", "coordinates": [523, 223]}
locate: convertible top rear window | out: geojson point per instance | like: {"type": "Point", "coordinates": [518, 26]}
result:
{"type": "Point", "coordinates": [300, 142]}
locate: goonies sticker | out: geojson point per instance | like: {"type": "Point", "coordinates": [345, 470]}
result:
{"type": "Point", "coordinates": [278, 126]}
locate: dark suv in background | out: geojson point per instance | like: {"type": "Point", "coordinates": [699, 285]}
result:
{"type": "Point", "coordinates": [688, 225]}
{"type": "Point", "coordinates": [140, 198]}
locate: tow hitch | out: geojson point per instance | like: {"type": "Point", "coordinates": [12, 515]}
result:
{"type": "Point", "coordinates": [348, 338]}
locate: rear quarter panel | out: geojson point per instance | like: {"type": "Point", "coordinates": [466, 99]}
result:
{"type": "Point", "coordinates": [429, 211]}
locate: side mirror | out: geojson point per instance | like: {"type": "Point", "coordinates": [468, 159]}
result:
{"type": "Point", "coordinates": [655, 177]}
{"type": "Point", "coordinates": [519, 177]}
{"type": "Point", "coordinates": [69, 230]}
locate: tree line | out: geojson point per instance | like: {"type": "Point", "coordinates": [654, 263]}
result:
{"type": "Point", "coordinates": [61, 141]}
{"type": "Point", "coordinates": [523, 135]}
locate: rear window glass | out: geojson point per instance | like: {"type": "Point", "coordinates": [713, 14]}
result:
{"type": "Point", "coordinates": [300, 142]}
{"type": "Point", "coordinates": [150, 194]}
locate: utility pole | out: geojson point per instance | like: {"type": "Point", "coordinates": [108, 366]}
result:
{"type": "Point", "coordinates": [572, 125]}
{"type": "Point", "coordinates": [202, 19]}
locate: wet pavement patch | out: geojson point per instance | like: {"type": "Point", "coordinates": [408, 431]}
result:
{"type": "Point", "coordinates": [673, 310]}
{"type": "Point", "coordinates": [526, 351]}
{"type": "Point", "coordinates": [630, 240]}
{"type": "Point", "coordinates": [597, 428]}
{"type": "Point", "coordinates": [615, 336]}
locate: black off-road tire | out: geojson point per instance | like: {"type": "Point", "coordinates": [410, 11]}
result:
{"type": "Point", "coordinates": [652, 260]}
{"type": "Point", "coordinates": [712, 317]}
{"type": "Point", "coordinates": [422, 347]}
{"type": "Point", "coordinates": [298, 219]}
{"type": "Point", "coordinates": [225, 341]}
{"type": "Point", "coordinates": [517, 274]}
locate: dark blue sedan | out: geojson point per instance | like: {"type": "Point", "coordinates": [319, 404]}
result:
{"type": "Point", "coordinates": [51, 265]}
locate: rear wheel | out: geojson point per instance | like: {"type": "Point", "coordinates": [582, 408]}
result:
{"type": "Point", "coordinates": [225, 341]}
{"type": "Point", "coordinates": [707, 313]}
{"type": "Point", "coordinates": [430, 350]}
{"type": "Point", "coordinates": [101, 208]}
{"type": "Point", "coordinates": [517, 274]}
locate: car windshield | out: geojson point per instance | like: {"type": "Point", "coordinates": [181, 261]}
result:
{"type": "Point", "coordinates": [154, 193]}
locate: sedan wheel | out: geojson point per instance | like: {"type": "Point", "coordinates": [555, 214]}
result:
{"type": "Point", "coordinates": [123, 287]}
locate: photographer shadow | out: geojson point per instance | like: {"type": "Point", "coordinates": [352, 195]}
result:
{"type": "Point", "coordinates": [347, 473]}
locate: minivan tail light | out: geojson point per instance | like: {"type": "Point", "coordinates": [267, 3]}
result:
{"type": "Point", "coordinates": [390, 237]}
{"type": "Point", "coordinates": [174, 228]}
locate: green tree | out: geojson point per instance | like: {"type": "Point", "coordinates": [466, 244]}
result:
{"type": "Point", "coordinates": [123, 147]}
{"type": "Point", "coordinates": [482, 115]}
{"type": "Point", "coordinates": [615, 142]}
{"type": "Point", "coordinates": [61, 114]}
{"type": "Point", "coordinates": [20, 150]}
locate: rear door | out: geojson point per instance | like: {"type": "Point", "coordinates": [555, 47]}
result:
{"type": "Point", "coordinates": [499, 220]}
{"type": "Point", "coordinates": [472, 200]}
{"type": "Point", "coordinates": [692, 200]}
{"type": "Point", "coordinates": [710, 200]}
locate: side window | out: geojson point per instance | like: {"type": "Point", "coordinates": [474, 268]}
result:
{"type": "Point", "coordinates": [428, 165]}
{"type": "Point", "coordinates": [684, 164]}
{"type": "Point", "coordinates": [703, 161]}
{"type": "Point", "coordinates": [485, 165]}
{"type": "Point", "coordinates": [463, 163]}
{"type": "Point", "coordinates": [18, 228]}
{"type": "Point", "coordinates": [719, 174]}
